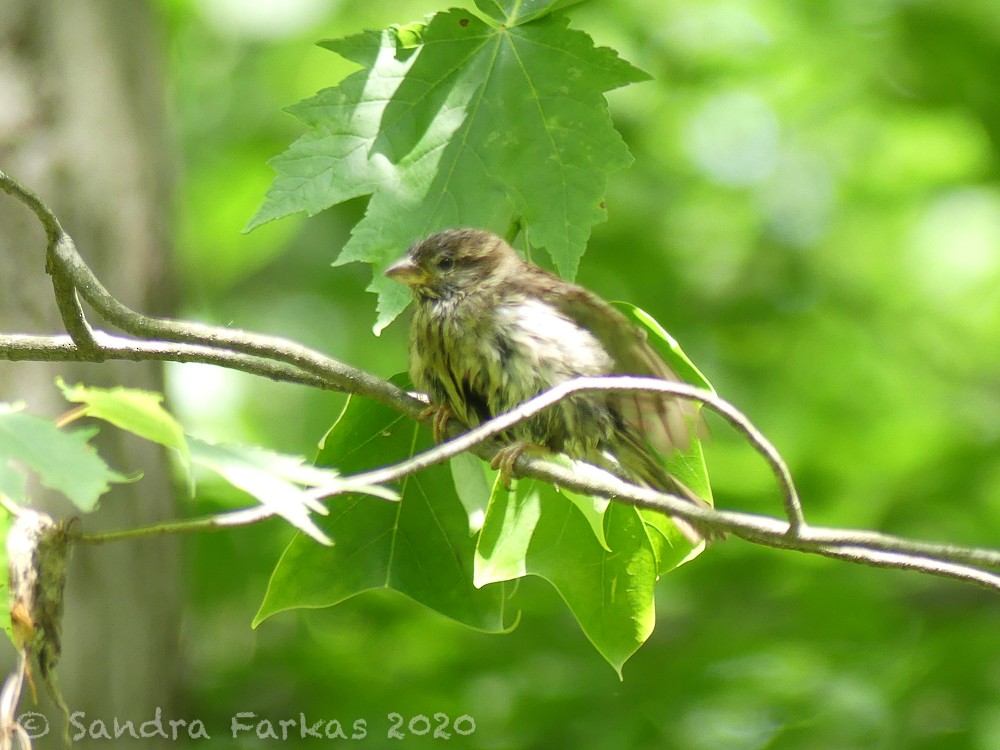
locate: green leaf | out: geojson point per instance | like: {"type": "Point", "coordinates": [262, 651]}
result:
{"type": "Point", "coordinates": [473, 481]}
{"type": "Point", "coordinates": [409, 35]}
{"type": "Point", "coordinates": [138, 412]}
{"type": "Point", "coordinates": [420, 546]}
{"type": "Point", "coordinates": [592, 507]}
{"type": "Point", "coordinates": [330, 164]}
{"type": "Point", "coordinates": [609, 593]}
{"type": "Point", "coordinates": [666, 345]}
{"type": "Point", "coordinates": [510, 522]}
{"type": "Point", "coordinates": [536, 530]}
{"type": "Point", "coordinates": [63, 460]}
{"type": "Point", "coordinates": [670, 547]}
{"type": "Point", "coordinates": [476, 125]}
{"type": "Point", "coordinates": [285, 484]}
{"type": "Point", "coordinates": [511, 518]}
{"type": "Point", "coordinates": [13, 484]}
{"type": "Point", "coordinates": [689, 465]}
{"type": "Point", "coordinates": [516, 12]}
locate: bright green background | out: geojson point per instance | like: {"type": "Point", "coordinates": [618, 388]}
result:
{"type": "Point", "coordinates": [814, 213]}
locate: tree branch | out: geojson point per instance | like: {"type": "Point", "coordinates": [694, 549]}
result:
{"type": "Point", "coordinates": [20, 347]}
{"type": "Point", "coordinates": [62, 254]}
{"type": "Point", "coordinates": [283, 360]}
{"type": "Point", "coordinates": [865, 547]}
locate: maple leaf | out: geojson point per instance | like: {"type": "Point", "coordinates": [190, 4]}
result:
{"type": "Point", "coordinates": [460, 122]}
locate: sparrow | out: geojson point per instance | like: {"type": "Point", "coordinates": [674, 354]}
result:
{"type": "Point", "coordinates": [490, 330]}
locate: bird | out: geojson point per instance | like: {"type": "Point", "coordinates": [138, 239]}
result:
{"type": "Point", "coordinates": [490, 330]}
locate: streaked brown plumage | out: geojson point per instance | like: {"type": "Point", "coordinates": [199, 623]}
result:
{"type": "Point", "coordinates": [490, 330]}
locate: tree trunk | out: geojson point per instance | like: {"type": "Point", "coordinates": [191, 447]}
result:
{"type": "Point", "coordinates": [82, 123]}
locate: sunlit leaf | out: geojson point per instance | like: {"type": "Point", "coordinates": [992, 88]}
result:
{"type": "Point", "coordinates": [63, 460]}
{"type": "Point", "coordinates": [516, 12]}
{"type": "Point", "coordinates": [12, 482]}
{"type": "Point", "coordinates": [688, 465]}
{"type": "Point", "coordinates": [537, 531]}
{"type": "Point", "coordinates": [420, 546]}
{"type": "Point", "coordinates": [666, 345]}
{"type": "Point", "coordinates": [459, 123]}
{"type": "Point", "coordinates": [473, 482]}
{"type": "Point", "coordinates": [137, 411]}
{"type": "Point", "coordinates": [593, 509]}
{"type": "Point", "coordinates": [285, 484]}
{"type": "Point", "coordinates": [502, 549]}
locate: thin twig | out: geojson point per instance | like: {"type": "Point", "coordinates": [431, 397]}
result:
{"type": "Point", "coordinates": [977, 556]}
{"type": "Point", "coordinates": [338, 375]}
{"type": "Point", "coordinates": [68, 302]}
{"type": "Point", "coordinates": [349, 379]}
{"type": "Point", "coordinates": [543, 401]}
{"type": "Point", "coordinates": [881, 550]}
{"type": "Point", "coordinates": [866, 548]}
{"type": "Point", "coordinates": [25, 347]}
{"type": "Point", "coordinates": [28, 197]}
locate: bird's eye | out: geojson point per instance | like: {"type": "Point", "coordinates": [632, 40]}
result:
{"type": "Point", "coordinates": [446, 263]}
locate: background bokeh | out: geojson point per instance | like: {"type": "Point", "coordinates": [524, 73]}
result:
{"type": "Point", "coordinates": [814, 213]}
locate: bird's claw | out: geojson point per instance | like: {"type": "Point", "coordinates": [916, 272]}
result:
{"type": "Point", "coordinates": [439, 423]}
{"type": "Point", "coordinates": [507, 456]}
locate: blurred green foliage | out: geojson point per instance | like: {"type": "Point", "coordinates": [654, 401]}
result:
{"type": "Point", "coordinates": [814, 213]}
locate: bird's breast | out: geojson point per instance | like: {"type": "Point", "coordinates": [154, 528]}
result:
{"type": "Point", "coordinates": [455, 356]}
{"type": "Point", "coordinates": [484, 360]}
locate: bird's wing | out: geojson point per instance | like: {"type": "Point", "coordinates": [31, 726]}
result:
{"type": "Point", "coordinates": [665, 422]}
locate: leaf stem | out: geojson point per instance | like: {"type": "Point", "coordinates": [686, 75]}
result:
{"type": "Point", "coordinates": [216, 522]}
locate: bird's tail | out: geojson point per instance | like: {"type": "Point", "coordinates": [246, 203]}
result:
{"type": "Point", "coordinates": [638, 464]}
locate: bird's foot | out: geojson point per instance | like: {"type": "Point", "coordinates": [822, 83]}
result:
{"type": "Point", "coordinates": [439, 423]}
{"type": "Point", "coordinates": [507, 456]}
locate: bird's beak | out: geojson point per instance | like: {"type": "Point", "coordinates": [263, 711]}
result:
{"type": "Point", "coordinates": [405, 271]}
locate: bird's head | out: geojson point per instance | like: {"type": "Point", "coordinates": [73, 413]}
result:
{"type": "Point", "coordinates": [453, 263]}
